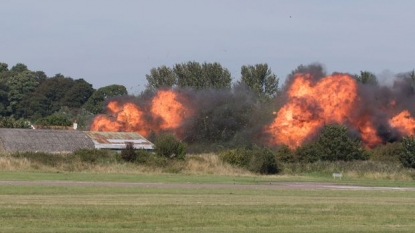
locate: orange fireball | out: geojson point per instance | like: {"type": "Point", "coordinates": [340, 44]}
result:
{"type": "Point", "coordinates": [311, 105]}
{"type": "Point", "coordinates": [166, 113]}
{"type": "Point", "coordinates": [404, 123]}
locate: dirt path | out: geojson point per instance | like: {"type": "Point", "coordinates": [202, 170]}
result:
{"type": "Point", "coordinates": [272, 185]}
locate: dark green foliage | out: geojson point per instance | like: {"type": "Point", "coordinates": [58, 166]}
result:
{"type": "Point", "coordinates": [80, 115]}
{"type": "Point", "coordinates": [78, 94]}
{"type": "Point", "coordinates": [44, 158]}
{"type": "Point", "coordinates": [263, 161]}
{"type": "Point", "coordinates": [95, 103]}
{"type": "Point", "coordinates": [10, 122]}
{"type": "Point", "coordinates": [47, 98]}
{"type": "Point", "coordinates": [21, 85]}
{"type": "Point", "coordinates": [285, 154]}
{"type": "Point", "coordinates": [4, 67]}
{"type": "Point", "coordinates": [260, 80]}
{"type": "Point", "coordinates": [143, 156]}
{"type": "Point", "coordinates": [160, 77]}
{"type": "Point", "coordinates": [389, 152]}
{"type": "Point", "coordinates": [19, 67]}
{"type": "Point", "coordinates": [309, 153]}
{"type": "Point", "coordinates": [4, 100]}
{"type": "Point", "coordinates": [128, 154]}
{"type": "Point", "coordinates": [407, 157]}
{"type": "Point", "coordinates": [94, 155]}
{"type": "Point", "coordinates": [239, 157]}
{"type": "Point", "coordinates": [166, 145]}
{"type": "Point", "coordinates": [54, 120]}
{"type": "Point", "coordinates": [258, 160]}
{"type": "Point", "coordinates": [202, 76]}
{"type": "Point", "coordinates": [366, 77]}
{"type": "Point", "coordinates": [191, 74]}
{"type": "Point", "coordinates": [333, 144]}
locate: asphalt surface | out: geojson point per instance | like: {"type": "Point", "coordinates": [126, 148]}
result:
{"type": "Point", "coordinates": [267, 185]}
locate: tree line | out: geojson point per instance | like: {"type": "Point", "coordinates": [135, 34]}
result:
{"type": "Point", "coordinates": [229, 120]}
{"type": "Point", "coordinates": [35, 97]}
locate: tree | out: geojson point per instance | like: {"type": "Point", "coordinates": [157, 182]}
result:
{"type": "Point", "coordinates": [19, 67]}
{"type": "Point", "coordinates": [20, 85]}
{"type": "Point", "coordinates": [47, 98]}
{"type": "Point", "coordinates": [78, 94]}
{"type": "Point", "coordinates": [333, 144]}
{"type": "Point", "coordinates": [10, 122]}
{"type": "Point", "coordinates": [161, 77]}
{"type": "Point", "coordinates": [3, 67]}
{"type": "Point", "coordinates": [54, 120]}
{"type": "Point", "coordinates": [366, 77]}
{"type": "Point", "coordinates": [80, 115]}
{"type": "Point", "coordinates": [95, 103]}
{"type": "Point", "coordinates": [4, 101]}
{"type": "Point", "coordinates": [202, 76]}
{"type": "Point", "coordinates": [40, 76]}
{"type": "Point", "coordinates": [260, 79]}
{"type": "Point", "coordinates": [407, 157]}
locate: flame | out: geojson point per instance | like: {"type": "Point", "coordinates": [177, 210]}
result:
{"type": "Point", "coordinates": [127, 117]}
{"type": "Point", "coordinates": [404, 123]}
{"type": "Point", "coordinates": [367, 131]}
{"type": "Point", "coordinates": [166, 113]}
{"type": "Point", "coordinates": [166, 106]}
{"type": "Point", "coordinates": [311, 105]}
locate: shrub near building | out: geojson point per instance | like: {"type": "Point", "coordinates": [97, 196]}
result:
{"type": "Point", "coordinates": [166, 145]}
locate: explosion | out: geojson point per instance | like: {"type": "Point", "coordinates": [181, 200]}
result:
{"type": "Point", "coordinates": [404, 123]}
{"type": "Point", "coordinates": [311, 105]}
{"type": "Point", "coordinates": [166, 114]}
{"type": "Point", "coordinates": [373, 113]}
{"type": "Point", "coordinates": [331, 100]}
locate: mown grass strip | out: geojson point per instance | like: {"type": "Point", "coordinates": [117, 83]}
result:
{"type": "Point", "coordinates": [109, 209]}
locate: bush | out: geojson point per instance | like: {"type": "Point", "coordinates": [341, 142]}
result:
{"type": "Point", "coordinates": [388, 152]}
{"type": "Point", "coordinates": [239, 157]}
{"type": "Point", "coordinates": [10, 122]}
{"type": "Point", "coordinates": [333, 144]}
{"type": "Point", "coordinates": [93, 155]}
{"type": "Point", "coordinates": [407, 157]}
{"type": "Point", "coordinates": [128, 154]}
{"type": "Point", "coordinates": [309, 153]}
{"type": "Point", "coordinates": [54, 120]}
{"type": "Point", "coordinates": [285, 154]}
{"type": "Point", "coordinates": [263, 161]}
{"type": "Point", "coordinates": [166, 145]}
{"type": "Point", "coordinates": [48, 159]}
{"type": "Point", "coordinates": [258, 160]}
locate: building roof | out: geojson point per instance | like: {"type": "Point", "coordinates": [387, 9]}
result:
{"type": "Point", "coordinates": [118, 140]}
{"type": "Point", "coordinates": [53, 141]}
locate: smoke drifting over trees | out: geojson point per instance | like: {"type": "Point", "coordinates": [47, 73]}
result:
{"type": "Point", "coordinates": [372, 112]}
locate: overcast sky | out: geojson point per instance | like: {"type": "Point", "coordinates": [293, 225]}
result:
{"type": "Point", "coordinates": [118, 42]}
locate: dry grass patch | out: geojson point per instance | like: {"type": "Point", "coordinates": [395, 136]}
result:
{"type": "Point", "coordinates": [211, 164]}
{"type": "Point", "coordinates": [8, 163]}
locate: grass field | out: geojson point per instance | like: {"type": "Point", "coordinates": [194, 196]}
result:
{"type": "Point", "coordinates": [127, 209]}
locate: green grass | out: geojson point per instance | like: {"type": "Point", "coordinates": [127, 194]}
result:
{"type": "Point", "coordinates": [196, 179]}
{"type": "Point", "coordinates": [110, 209]}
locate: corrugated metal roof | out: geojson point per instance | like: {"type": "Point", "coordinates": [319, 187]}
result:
{"type": "Point", "coordinates": [118, 140]}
